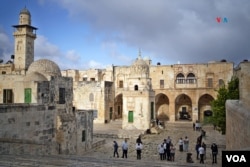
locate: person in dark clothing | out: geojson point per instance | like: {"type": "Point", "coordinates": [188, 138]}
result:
{"type": "Point", "coordinates": [116, 149]}
{"type": "Point", "coordinates": [138, 140]}
{"type": "Point", "coordinates": [214, 149]}
{"type": "Point", "coordinates": [198, 145]}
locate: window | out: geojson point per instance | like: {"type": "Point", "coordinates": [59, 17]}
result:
{"type": "Point", "coordinates": [84, 78]}
{"type": "Point", "coordinates": [180, 79]}
{"type": "Point", "coordinates": [3, 72]}
{"type": "Point", "coordinates": [7, 96]}
{"type": "Point", "coordinates": [83, 136]}
{"type": "Point", "coordinates": [161, 84]}
{"type": "Point", "coordinates": [136, 87]}
{"type": "Point", "coordinates": [190, 78]}
{"type": "Point", "coordinates": [61, 95]}
{"type": "Point", "coordinates": [92, 79]}
{"type": "Point", "coordinates": [120, 84]}
{"type": "Point", "coordinates": [210, 82]}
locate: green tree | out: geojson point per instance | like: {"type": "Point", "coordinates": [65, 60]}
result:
{"type": "Point", "coordinates": [219, 105]}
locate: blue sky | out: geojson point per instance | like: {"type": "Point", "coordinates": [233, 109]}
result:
{"type": "Point", "coordinates": [82, 34]}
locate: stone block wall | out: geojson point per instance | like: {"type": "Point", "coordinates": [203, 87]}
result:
{"type": "Point", "coordinates": [27, 129]}
{"type": "Point", "coordinates": [238, 112]}
{"type": "Point", "coordinates": [44, 130]}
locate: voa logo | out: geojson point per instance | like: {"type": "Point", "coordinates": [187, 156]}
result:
{"type": "Point", "coordinates": [236, 158]}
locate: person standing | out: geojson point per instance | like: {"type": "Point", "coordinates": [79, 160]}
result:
{"type": "Point", "coordinates": [185, 144]}
{"type": "Point", "coordinates": [116, 149]}
{"type": "Point", "coordinates": [172, 152]}
{"type": "Point", "coordinates": [197, 149]}
{"type": "Point", "coordinates": [169, 141]}
{"type": "Point", "coordinates": [125, 149]}
{"type": "Point", "coordinates": [205, 148]}
{"type": "Point", "coordinates": [214, 149]}
{"type": "Point", "coordinates": [180, 144]}
{"type": "Point", "coordinates": [201, 152]}
{"type": "Point", "coordinates": [161, 151]}
{"type": "Point", "coordinates": [138, 148]}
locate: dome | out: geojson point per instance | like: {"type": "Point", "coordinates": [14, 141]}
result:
{"type": "Point", "coordinates": [25, 11]}
{"type": "Point", "coordinates": [139, 66]}
{"type": "Point", "coordinates": [45, 67]}
{"type": "Point", "coordinates": [35, 76]}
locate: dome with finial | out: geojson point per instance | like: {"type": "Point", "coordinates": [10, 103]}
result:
{"type": "Point", "coordinates": [139, 66]}
{"type": "Point", "coordinates": [25, 11]}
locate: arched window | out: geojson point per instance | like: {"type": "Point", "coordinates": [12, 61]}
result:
{"type": "Point", "coordinates": [136, 87]}
{"type": "Point", "coordinates": [180, 79]}
{"type": "Point", "coordinates": [191, 78]}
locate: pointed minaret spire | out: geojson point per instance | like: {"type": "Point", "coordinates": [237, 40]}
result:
{"type": "Point", "coordinates": [139, 55]}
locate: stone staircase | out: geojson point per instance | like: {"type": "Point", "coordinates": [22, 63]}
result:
{"type": "Point", "coordinates": [78, 161]}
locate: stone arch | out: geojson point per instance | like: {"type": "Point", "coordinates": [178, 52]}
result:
{"type": "Point", "coordinates": [118, 110]}
{"type": "Point", "coordinates": [162, 107]}
{"type": "Point", "coordinates": [204, 104]}
{"type": "Point", "coordinates": [183, 107]}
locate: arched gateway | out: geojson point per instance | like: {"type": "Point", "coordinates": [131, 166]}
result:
{"type": "Point", "coordinates": [162, 107]}
{"type": "Point", "coordinates": [183, 108]}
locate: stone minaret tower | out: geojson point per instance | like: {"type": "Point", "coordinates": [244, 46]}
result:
{"type": "Point", "coordinates": [24, 42]}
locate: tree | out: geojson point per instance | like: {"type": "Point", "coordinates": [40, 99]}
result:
{"type": "Point", "coordinates": [218, 105]}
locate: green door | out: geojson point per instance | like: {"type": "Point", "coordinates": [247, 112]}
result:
{"type": "Point", "coordinates": [27, 95]}
{"type": "Point", "coordinates": [130, 116]}
{"type": "Point", "coordinates": [110, 112]}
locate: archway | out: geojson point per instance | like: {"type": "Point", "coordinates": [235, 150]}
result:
{"type": "Point", "coordinates": [162, 107]}
{"type": "Point", "coordinates": [118, 107]}
{"type": "Point", "coordinates": [183, 108]}
{"type": "Point", "coordinates": [204, 106]}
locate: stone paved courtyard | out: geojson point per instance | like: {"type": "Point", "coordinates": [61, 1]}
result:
{"type": "Point", "coordinates": [103, 156]}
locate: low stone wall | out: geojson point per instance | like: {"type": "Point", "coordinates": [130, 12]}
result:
{"type": "Point", "coordinates": [237, 125]}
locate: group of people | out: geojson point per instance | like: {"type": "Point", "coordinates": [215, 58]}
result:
{"type": "Point", "coordinates": [201, 150]}
{"type": "Point", "coordinates": [183, 144]}
{"type": "Point", "coordinates": [138, 148]}
{"type": "Point", "coordinates": [166, 150]}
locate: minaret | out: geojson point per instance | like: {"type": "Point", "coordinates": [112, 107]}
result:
{"type": "Point", "coordinates": [24, 42]}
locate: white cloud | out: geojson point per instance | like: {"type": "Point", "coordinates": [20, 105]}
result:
{"type": "Point", "coordinates": [173, 30]}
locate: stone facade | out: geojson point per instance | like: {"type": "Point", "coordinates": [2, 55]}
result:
{"type": "Point", "coordinates": [43, 130]}
{"type": "Point", "coordinates": [36, 103]}
{"type": "Point", "coordinates": [238, 112]}
{"type": "Point", "coordinates": [167, 92]}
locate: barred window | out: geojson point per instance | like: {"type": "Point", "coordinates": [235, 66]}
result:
{"type": "Point", "coordinates": [191, 78]}
{"type": "Point", "coordinates": [161, 84]}
{"type": "Point", "coordinates": [180, 79]}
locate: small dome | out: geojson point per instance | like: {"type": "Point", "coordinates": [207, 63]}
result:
{"type": "Point", "coordinates": [45, 67]}
{"type": "Point", "coordinates": [35, 76]}
{"type": "Point", "coordinates": [25, 11]}
{"type": "Point", "coordinates": [139, 67]}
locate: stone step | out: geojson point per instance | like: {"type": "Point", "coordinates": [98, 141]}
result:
{"type": "Point", "coordinates": [78, 161]}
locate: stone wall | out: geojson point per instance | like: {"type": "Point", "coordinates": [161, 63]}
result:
{"type": "Point", "coordinates": [27, 129]}
{"type": "Point", "coordinates": [238, 112]}
{"type": "Point", "coordinates": [44, 130]}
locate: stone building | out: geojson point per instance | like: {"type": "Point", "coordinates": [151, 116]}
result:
{"type": "Point", "coordinates": [143, 92]}
{"type": "Point", "coordinates": [238, 112]}
{"type": "Point", "coordinates": [36, 103]}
